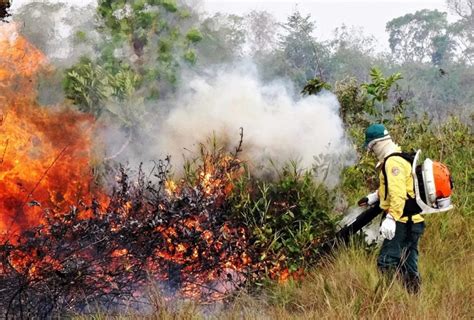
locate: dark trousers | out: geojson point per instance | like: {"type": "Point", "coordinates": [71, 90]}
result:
{"type": "Point", "coordinates": [401, 254]}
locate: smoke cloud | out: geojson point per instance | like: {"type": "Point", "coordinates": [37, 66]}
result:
{"type": "Point", "coordinates": [277, 126]}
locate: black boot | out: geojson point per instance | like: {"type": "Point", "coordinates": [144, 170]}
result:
{"type": "Point", "coordinates": [412, 283]}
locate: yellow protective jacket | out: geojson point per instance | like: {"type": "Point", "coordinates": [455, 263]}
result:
{"type": "Point", "coordinates": [400, 183]}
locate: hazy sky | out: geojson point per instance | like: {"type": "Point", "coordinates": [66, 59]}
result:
{"type": "Point", "coordinates": [372, 15]}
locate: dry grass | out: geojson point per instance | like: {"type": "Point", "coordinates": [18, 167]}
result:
{"type": "Point", "coordinates": [349, 287]}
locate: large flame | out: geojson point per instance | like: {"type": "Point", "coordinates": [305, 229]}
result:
{"type": "Point", "coordinates": [44, 152]}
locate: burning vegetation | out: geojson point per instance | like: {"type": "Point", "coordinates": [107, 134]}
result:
{"type": "Point", "coordinates": [74, 244]}
{"type": "Point", "coordinates": [45, 153]}
{"type": "Point", "coordinates": [179, 237]}
{"type": "Point", "coordinates": [67, 245]}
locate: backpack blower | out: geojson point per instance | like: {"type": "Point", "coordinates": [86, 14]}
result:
{"type": "Point", "coordinates": [433, 185]}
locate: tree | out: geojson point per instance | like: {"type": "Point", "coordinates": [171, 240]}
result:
{"type": "Point", "coordinates": [300, 52]}
{"type": "Point", "coordinates": [143, 44]}
{"type": "Point", "coordinates": [4, 6]}
{"type": "Point", "coordinates": [420, 37]}
{"type": "Point", "coordinates": [352, 53]}
{"type": "Point", "coordinates": [52, 27]}
{"type": "Point", "coordinates": [262, 30]}
{"type": "Point", "coordinates": [353, 38]}
{"type": "Point", "coordinates": [150, 36]}
{"type": "Point", "coordinates": [378, 91]}
{"type": "Point", "coordinates": [462, 31]}
{"type": "Point", "coordinates": [223, 39]}
{"type": "Point", "coordinates": [463, 8]}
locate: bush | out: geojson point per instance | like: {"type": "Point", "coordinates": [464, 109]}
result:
{"type": "Point", "coordinates": [287, 218]}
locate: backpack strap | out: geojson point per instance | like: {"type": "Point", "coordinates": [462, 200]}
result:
{"type": "Point", "coordinates": [411, 206]}
{"type": "Point", "coordinates": [407, 156]}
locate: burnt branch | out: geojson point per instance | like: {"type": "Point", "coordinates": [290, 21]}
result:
{"type": "Point", "coordinates": [175, 234]}
{"type": "Point", "coordinates": [4, 7]}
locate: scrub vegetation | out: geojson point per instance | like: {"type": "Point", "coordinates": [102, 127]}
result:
{"type": "Point", "coordinates": [134, 60]}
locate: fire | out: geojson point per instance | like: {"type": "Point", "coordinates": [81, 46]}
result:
{"type": "Point", "coordinates": [44, 152]}
{"type": "Point", "coordinates": [178, 233]}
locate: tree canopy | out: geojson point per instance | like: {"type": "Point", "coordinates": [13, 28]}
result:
{"type": "Point", "coordinates": [420, 37]}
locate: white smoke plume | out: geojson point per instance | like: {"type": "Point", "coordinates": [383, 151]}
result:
{"type": "Point", "coordinates": [276, 126]}
{"type": "Point", "coordinates": [370, 231]}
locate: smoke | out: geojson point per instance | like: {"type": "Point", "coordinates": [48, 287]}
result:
{"type": "Point", "coordinates": [63, 32]}
{"type": "Point", "coordinates": [277, 127]}
{"type": "Point", "coordinates": [370, 231]}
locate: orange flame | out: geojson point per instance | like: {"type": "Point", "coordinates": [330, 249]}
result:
{"type": "Point", "coordinates": [44, 152]}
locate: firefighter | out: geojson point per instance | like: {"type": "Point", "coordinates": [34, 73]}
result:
{"type": "Point", "coordinates": [402, 225]}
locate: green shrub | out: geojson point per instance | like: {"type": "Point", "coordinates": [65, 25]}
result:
{"type": "Point", "coordinates": [194, 35]}
{"type": "Point", "coordinates": [288, 218]}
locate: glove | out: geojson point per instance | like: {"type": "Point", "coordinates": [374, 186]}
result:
{"type": "Point", "coordinates": [369, 200]}
{"type": "Point", "coordinates": [387, 229]}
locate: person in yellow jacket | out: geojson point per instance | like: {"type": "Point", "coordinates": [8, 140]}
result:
{"type": "Point", "coordinates": [402, 225]}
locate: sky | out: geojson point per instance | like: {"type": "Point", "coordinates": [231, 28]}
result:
{"type": "Point", "coordinates": [371, 15]}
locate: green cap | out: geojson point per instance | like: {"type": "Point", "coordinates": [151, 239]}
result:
{"type": "Point", "coordinates": [375, 132]}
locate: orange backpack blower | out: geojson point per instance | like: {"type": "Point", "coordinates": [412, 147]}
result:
{"type": "Point", "coordinates": [433, 185]}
